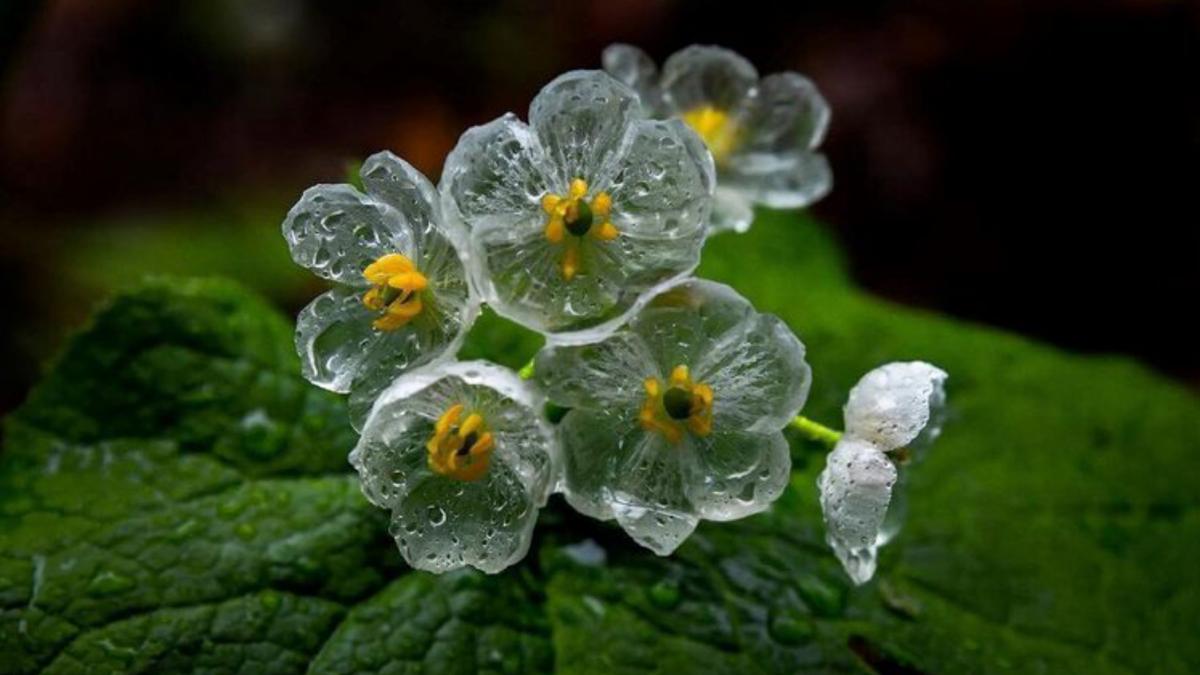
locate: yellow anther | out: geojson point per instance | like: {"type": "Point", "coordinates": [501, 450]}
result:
{"type": "Point", "coordinates": [606, 232]}
{"type": "Point", "coordinates": [679, 376]}
{"type": "Point", "coordinates": [570, 261]}
{"type": "Point", "coordinates": [716, 127]}
{"type": "Point", "coordinates": [602, 205]}
{"type": "Point", "coordinates": [555, 230]}
{"type": "Point", "coordinates": [395, 290]}
{"type": "Point", "coordinates": [681, 405]}
{"type": "Point", "coordinates": [573, 214]}
{"type": "Point", "coordinates": [461, 452]}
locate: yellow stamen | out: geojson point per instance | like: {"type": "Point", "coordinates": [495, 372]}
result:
{"type": "Point", "coordinates": [572, 214]}
{"type": "Point", "coordinates": [448, 452]}
{"type": "Point", "coordinates": [685, 396]}
{"type": "Point", "coordinates": [606, 232]}
{"type": "Point", "coordinates": [570, 261]}
{"type": "Point", "coordinates": [716, 127]}
{"type": "Point", "coordinates": [395, 290]}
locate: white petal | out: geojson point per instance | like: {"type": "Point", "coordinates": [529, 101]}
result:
{"type": "Point", "coordinates": [598, 375]}
{"type": "Point", "coordinates": [581, 119]}
{"type": "Point", "coordinates": [333, 338]}
{"type": "Point", "coordinates": [735, 474]}
{"type": "Point", "coordinates": [495, 176]}
{"type": "Point", "coordinates": [758, 375]}
{"type": "Point", "coordinates": [665, 181]}
{"type": "Point", "coordinates": [779, 180]}
{"type": "Point", "coordinates": [856, 487]}
{"type": "Point", "coordinates": [634, 68]}
{"type": "Point", "coordinates": [336, 231]}
{"type": "Point", "coordinates": [596, 446]}
{"type": "Point", "coordinates": [732, 210]}
{"type": "Point", "coordinates": [787, 114]}
{"type": "Point", "coordinates": [647, 495]}
{"type": "Point", "coordinates": [681, 323]}
{"type": "Point", "coordinates": [700, 75]}
{"type": "Point", "coordinates": [440, 523]}
{"type": "Point", "coordinates": [398, 184]}
{"type": "Point", "coordinates": [891, 405]}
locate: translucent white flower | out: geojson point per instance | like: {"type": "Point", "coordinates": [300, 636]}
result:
{"type": "Point", "coordinates": [574, 217]}
{"type": "Point", "coordinates": [460, 454]}
{"type": "Point", "coordinates": [893, 412]}
{"type": "Point", "coordinates": [763, 133]}
{"type": "Point", "coordinates": [401, 297]}
{"type": "Point", "coordinates": [677, 416]}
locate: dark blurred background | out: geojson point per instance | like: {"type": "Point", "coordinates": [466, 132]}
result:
{"type": "Point", "coordinates": [1030, 165]}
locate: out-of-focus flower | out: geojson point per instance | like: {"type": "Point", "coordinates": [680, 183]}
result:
{"type": "Point", "coordinates": [677, 416]}
{"type": "Point", "coordinates": [763, 133]}
{"type": "Point", "coordinates": [575, 217]}
{"type": "Point", "coordinates": [892, 412]}
{"type": "Point", "coordinates": [401, 297]}
{"type": "Point", "coordinates": [461, 456]}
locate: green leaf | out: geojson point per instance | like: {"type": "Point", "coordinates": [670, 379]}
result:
{"type": "Point", "coordinates": [174, 498]}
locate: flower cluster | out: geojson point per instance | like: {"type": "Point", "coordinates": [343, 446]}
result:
{"type": "Point", "coordinates": [585, 224]}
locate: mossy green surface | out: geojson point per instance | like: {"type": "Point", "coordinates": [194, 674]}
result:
{"type": "Point", "coordinates": [174, 498]}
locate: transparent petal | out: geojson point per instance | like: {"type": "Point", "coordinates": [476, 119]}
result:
{"type": "Point", "coordinates": [444, 524]}
{"type": "Point", "coordinates": [336, 231]}
{"type": "Point", "coordinates": [680, 324]}
{"type": "Point", "coordinates": [440, 523]}
{"type": "Point", "coordinates": [648, 496]}
{"type": "Point", "coordinates": [700, 75]}
{"type": "Point", "coordinates": [892, 404]}
{"type": "Point", "coordinates": [635, 69]}
{"type": "Point", "coordinates": [334, 337]}
{"type": "Point", "coordinates": [522, 280]}
{"type": "Point", "coordinates": [664, 184]}
{"type": "Point", "coordinates": [758, 375]}
{"type": "Point", "coordinates": [780, 180]}
{"type": "Point", "coordinates": [735, 474]}
{"type": "Point", "coordinates": [581, 119]}
{"type": "Point", "coordinates": [855, 488]}
{"type": "Point", "coordinates": [787, 115]}
{"type": "Point", "coordinates": [398, 184]}
{"type": "Point", "coordinates": [596, 445]}
{"type": "Point", "coordinates": [732, 211]}
{"type": "Point", "coordinates": [599, 375]}
{"type": "Point", "coordinates": [637, 263]}
{"type": "Point", "coordinates": [496, 175]}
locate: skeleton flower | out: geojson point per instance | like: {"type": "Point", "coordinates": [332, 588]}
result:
{"type": "Point", "coordinates": [763, 133]}
{"type": "Point", "coordinates": [401, 296]}
{"type": "Point", "coordinates": [461, 456]}
{"type": "Point", "coordinates": [677, 416]}
{"type": "Point", "coordinates": [575, 218]}
{"type": "Point", "coordinates": [892, 412]}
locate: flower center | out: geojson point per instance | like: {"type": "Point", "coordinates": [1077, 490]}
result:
{"type": "Point", "coordinates": [396, 285]}
{"type": "Point", "coordinates": [460, 451]}
{"type": "Point", "coordinates": [682, 404]}
{"type": "Point", "coordinates": [575, 215]}
{"type": "Point", "coordinates": [716, 127]}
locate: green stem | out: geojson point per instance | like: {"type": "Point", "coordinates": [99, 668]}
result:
{"type": "Point", "coordinates": [526, 370]}
{"type": "Point", "coordinates": [815, 431]}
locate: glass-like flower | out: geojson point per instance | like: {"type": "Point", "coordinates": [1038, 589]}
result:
{"type": "Point", "coordinates": [677, 416]}
{"type": "Point", "coordinates": [763, 133]}
{"type": "Point", "coordinates": [460, 454]}
{"type": "Point", "coordinates": [893, 412]}
{"type": "Point", "coordinates": [574, 218]}
{"type": "Point", "coordinates": [401, 297]}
